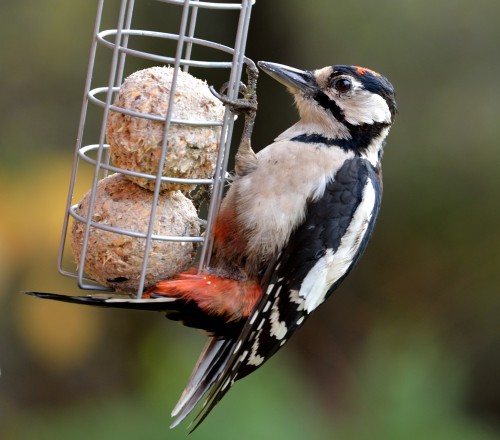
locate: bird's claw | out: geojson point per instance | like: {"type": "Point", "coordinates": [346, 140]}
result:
{"type": "Point", "coordinates": [246, 104]}
{"type": "Point", "coordinates": [202, 195]}
{"type": "Point", "coordinates": [238, 105]}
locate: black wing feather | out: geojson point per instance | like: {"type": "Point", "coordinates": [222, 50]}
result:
{"type": "Point", "coordinates": [325, 224]}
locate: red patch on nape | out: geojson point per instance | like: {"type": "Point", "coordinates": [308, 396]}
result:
{"type": "Point", "coordinates": [364, 71]}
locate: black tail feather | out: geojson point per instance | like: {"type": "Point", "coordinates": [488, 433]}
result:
{"type": "Point", "coordinates": [158, 304]}
{"type": "Point", "coordinates": [210, 363]}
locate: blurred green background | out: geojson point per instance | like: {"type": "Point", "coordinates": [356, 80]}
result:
{"type": "Point", "coordinates": [407, 348]}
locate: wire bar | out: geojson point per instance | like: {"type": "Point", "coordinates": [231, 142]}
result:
{"type": "Point", "coordinates": [83, 154]}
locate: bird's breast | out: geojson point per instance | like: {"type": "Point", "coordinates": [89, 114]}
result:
{"type": "Point", "coordinates": [272, 200]}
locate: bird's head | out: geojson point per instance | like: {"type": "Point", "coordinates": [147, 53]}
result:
{"type": "Point", "coordinates": [340, 102]}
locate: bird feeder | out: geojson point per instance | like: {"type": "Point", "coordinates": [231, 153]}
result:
{"type": "Point", "coordinates": [161, 131]}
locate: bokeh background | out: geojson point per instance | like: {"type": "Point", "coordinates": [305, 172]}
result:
{"type": "Point", "coordinates": [407, 348]}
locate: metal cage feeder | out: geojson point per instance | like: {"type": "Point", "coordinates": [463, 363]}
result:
{"type": "Point", "coordinates": [96, 155]}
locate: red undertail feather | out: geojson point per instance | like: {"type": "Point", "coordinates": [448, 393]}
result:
{"type": "Point", "coordinates": [215, 295]}
{"type": "Point", "coordinates": [228, 240]}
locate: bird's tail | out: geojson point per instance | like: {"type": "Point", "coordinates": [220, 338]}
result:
{"type": "Point", "coordinates": [157, 304]}
{"type": "Point", "coordinates": [210, 364]}
{"type": "Point", "coordinates": [212, 359]}
{"type": "Point", "coordinates": [220, 305]}
{"type": "Point", "coordinates": [176, 308]}
{"type": "Point", "coordinates": [207, 300]}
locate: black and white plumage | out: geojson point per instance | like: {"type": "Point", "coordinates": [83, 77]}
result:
{"type": "Point", "coordinates": [325, 177]}
{"type": "Point", "coordinates": [293, 224]}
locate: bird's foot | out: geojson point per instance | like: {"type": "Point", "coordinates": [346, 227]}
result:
{"type": "Point", "coordinates": [248, 102]}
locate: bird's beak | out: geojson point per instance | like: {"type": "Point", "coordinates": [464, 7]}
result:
{"type": "Point", "coordinates": [295, 79]}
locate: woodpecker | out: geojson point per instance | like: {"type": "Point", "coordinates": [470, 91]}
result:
{"type": "Point", "coordinates": [295, 220]}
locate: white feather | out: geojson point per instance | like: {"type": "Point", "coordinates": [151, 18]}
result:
{"type": "Point", "coordinates": [365, 108]}
{"type": "Point", "coordinates": [277, 213]}
{"type": "Point", "coordinates": [333, 265]}
{"type": "Point", "coordinates": [278, 328]}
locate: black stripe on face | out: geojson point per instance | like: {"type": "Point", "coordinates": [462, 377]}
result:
{"type": "Point", "coordinates": [359, 141]}
{"type": "Point", "coordinates": [317, 139]}
{"type": "Point", "coordinates": [330, 105]}
{"type": "Point", "coordinates": [361, 135]}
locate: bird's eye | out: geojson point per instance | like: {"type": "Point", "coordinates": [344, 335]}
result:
{"type": "Point", "coordinates": [342, 85]}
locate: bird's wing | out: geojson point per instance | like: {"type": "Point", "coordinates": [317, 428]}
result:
{"type": "Point", "coordinates": [318, 256]}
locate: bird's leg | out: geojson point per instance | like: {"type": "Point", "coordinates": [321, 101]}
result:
{"type": "Point", "coordinates": [203, 194]}
{"type": "Point", "coordinates": [245, 159]}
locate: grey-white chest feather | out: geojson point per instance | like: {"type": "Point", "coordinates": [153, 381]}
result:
{"type": "Point", "coordinates": [272, 200]}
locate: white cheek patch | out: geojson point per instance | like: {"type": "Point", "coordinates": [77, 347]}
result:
{"type": "Point", "coordinates": [364, 107]}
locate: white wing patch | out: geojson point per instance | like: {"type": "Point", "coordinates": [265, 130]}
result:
{"type": "Point", "coordinates": [333, 265]}
{"type": "Point", "coordinates": [315, 284]}
{"type": "Point", "coordinates": [278, 328]}
{"type": "Point", "coordinates": [297, 299]}
{"type": "Point", "coordinates": [254, 358]}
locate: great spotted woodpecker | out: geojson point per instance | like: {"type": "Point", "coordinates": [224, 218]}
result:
{"type": "Point", "coordinates": [294, 222]}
